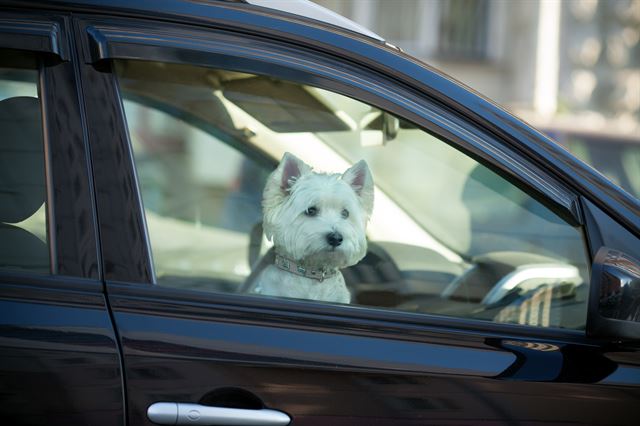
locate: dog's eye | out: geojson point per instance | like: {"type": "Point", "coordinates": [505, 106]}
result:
{"type": "Point", "coordinates": [345, 213]}
{"type": "Point", "coordinates": [311, 211]}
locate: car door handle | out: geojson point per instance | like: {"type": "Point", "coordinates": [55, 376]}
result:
{"type": "Point", "coordinates": [182, 413]}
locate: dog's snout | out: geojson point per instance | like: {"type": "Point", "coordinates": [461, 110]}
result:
{"type": "Point", "coordinates": [334, 239]}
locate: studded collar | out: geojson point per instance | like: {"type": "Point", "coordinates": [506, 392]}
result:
{"type": "Point", "coordinates": [291, 266]}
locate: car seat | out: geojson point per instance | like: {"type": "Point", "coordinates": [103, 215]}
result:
{"type": "Point", "coordinates": [22, 183]}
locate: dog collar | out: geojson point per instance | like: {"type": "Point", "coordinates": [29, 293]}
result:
{"type": "Point", "coordinates": [315, 274]}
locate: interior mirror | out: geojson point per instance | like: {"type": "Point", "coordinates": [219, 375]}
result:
{"type": "Point", "coordinates": [390, 127]}
{"type": "Point", "coordinates": [378, 127]}
{"type": "Point", "coordinates": [614, 299]}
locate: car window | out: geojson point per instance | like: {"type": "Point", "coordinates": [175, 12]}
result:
{"type": "Point", "coordinates": [23, 227]}
{"type": "Point", "coordinates": [261, 186]}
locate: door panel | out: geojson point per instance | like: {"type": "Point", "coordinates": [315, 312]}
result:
{"type": "Point", "coordinates": [347, 373]}
{"type": "Point", "coordinates": [59, 363]}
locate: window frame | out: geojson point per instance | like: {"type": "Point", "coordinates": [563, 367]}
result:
{"type": "Point", "coordinates": [43, 40]}
{"type": "Point", "coordinates": [102, 39]}
{"type": "Point", "coordinates": [110, 39]}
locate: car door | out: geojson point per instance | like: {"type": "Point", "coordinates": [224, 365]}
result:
{"type": "Point", "coordinates": [473, 313]}
{"type": "Point", "coordinates": [59, 361]}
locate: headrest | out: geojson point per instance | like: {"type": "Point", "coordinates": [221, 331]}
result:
{"type": "Point", "coordinates": [22, 184]}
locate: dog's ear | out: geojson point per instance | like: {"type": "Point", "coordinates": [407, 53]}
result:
{"type": "Point", "coordinates": [278, 186]}
{"type": "Point", "coordinates": [289, 170]}
{"type": "Point", "coordinates": [360, 178]}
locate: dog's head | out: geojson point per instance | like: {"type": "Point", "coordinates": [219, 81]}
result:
{"type": "Point", "coordinates": [317, 218]}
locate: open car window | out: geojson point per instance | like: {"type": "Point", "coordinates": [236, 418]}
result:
{"type": "Point", "coordinates": [444, 234]}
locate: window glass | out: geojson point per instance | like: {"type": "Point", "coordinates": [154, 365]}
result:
{"type": "Point", "coordinates": [261, 186]}
{"type": "Point", "coordinates": [23, 228]}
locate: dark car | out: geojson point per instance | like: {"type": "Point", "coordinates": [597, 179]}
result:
{"type": "Point", "coordinates": [501, 283]}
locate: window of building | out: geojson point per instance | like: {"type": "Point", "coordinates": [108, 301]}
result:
{"type": "Point", "coordinates": [464, 29]}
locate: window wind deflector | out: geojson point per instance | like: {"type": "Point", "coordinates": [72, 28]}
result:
{"type": "Point", "coordinates": [39, 36]}
{"type": "Point", "coordinates": [107, 41]}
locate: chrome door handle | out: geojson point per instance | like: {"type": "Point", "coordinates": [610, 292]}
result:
{"type": "Point", "coordinates": [182, 413]}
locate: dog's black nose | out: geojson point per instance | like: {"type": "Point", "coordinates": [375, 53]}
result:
{"type": "Point", "coordinates": [334, 239]}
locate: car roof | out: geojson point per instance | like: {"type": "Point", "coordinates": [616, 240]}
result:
{"type": "Point", "coordinates": [304, 9]}
{"type": "Point", "coordinates": [346, 42]}
{"type": "Point", "coordinates": [312, 10]}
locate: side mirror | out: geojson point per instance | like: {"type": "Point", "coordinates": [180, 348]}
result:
{"type": "Point", "coordinates": [614, 298]}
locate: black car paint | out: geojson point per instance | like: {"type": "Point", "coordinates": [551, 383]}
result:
{"type": "Point", "coordinates": [321, 364]}
{"type": "Point", "coordinates": [315, 363]}
{"type": "Point", "coordinates": [59, 362]}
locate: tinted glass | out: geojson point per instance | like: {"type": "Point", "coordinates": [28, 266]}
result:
{"type": "Point", "coordinates": [227, 210]}
{"type": "Point", "coordinates": [23, 227]}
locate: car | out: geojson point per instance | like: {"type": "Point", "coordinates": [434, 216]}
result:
{"type": "Point", "coordinates": [501, 284]}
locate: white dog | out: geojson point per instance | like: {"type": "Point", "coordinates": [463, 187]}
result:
{"type": "Point", "coordinates": [317, 222]}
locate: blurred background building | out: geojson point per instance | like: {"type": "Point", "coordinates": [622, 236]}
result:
{"type": "Point", "coordinates": [569, 67]}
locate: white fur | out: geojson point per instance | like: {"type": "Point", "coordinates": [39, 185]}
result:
{"type": "Point", "coordinates": [276, 282]}
{"type": "Point", "coordinates": [290, 190]}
